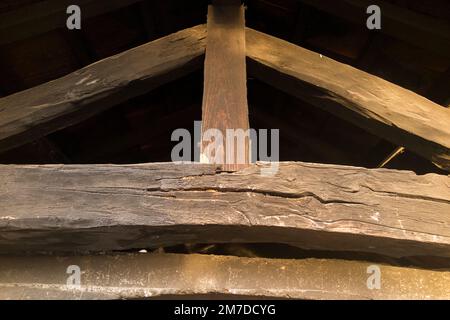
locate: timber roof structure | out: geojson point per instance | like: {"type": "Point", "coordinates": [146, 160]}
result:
{"type": "Point", "coordinates": [362, 179]}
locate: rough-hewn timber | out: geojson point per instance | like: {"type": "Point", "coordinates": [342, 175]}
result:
{"type": "Point", "coordinates": [171, 275]}
{"type": "Point", "coordinates": [383, 108]}
{"type": "Point", "coordinates": [378, 106]}
{"type": "Point", "coordinates": [313, 206]}
{"type": "Point", "coordinates": [225, 84]}
{"type": "Point", "coordinates": [33, 113]}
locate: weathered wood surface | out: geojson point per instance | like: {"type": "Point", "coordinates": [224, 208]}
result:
{"type": "Point", "coordinates": [132, 276]}
{"type": "Point", "coordinates": [383, 108]}
{"type": "Point", "coordinates": [225, 85]}
{"type": "Point", "coordinates": [324, 207]}
{"type": "Point", "coordinates": [378, 106]}
{"type": "Point", "coordinates": [33, 113]}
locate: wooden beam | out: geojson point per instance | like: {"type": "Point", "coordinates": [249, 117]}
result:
{"type": "Point", "coordinates": [378, 106]}
{"type": "Point", "coordinates": [36, 112]}
{"type": "Point", "coordinates": [225, 89]}
{"type": "Point", "coordinates": [312, 206]}
{"type": "Point", "coordinates": [438, 93]}
{"type": "Point", "coordinates": [49, 15]}
{"type": "Point", "coordinates": [423, 31]}
{"type": "Point", "coordinates": [207, 276]}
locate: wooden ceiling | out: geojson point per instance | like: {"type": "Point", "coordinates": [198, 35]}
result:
{"type": "Point", "coordinates": [35, 47]}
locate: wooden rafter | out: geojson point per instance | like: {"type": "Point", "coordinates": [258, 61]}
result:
{"type": "Point", "coordinates": [387, 110]}
{"type": "Point", "coordinates": [313, 206]}
{"type": "Point", "coordinates": [96, 208]}
{"type": "Point", "coordinates": [378, 106]}
{"type": "Point", "coordinates": [225, 89]}
{"type": "Point", "coordinates": [41, 110]}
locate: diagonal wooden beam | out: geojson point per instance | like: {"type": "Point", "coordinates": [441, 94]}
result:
{"type": "Point", "coordinates": [225, 89]}
{"type": "Point", "coordinates": [187, 276]}
{"type": "Point", "coordinates": [438, 93]}
{"type": "Point", "coordinates": [386, 110]}
{"type": "Point", "coordinates": [378, 106]}
{"type": "Point", "coordinates": [30, 114]}
{"type": "Point", "coordinates": [321, 207]}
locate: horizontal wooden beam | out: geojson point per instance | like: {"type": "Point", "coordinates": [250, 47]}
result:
{"type": "Point", "coordinates": [323, 207]}
{"type": "Point", "coordinates": [378, 106]}
{"type": "Point", "coordinates": [430, 33]}
{"type": "Point", "coordinates": [44, 16]}
{"type": "Point", "coordinates": [134, 276]}
{"type": "Point", "coordinates": [33, 113]}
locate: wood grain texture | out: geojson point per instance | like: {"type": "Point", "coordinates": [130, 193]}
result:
{"type": "Point", "coordinates": [33, 113]}
{"type": "Point", "coordinates": [323, 207]}
{"type": "Point", "coordinates": [137, 276]}
{"type": "Point", "coordinates": [225, 83]}
{"type": "Point", "coordinates": [378, 106]}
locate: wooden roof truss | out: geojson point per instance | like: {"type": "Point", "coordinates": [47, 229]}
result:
{"type": "Point", "coordinates": [95, 208]}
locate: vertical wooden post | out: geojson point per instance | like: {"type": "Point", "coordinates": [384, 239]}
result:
{"type": "Point", "coordinates": [225, 88]}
